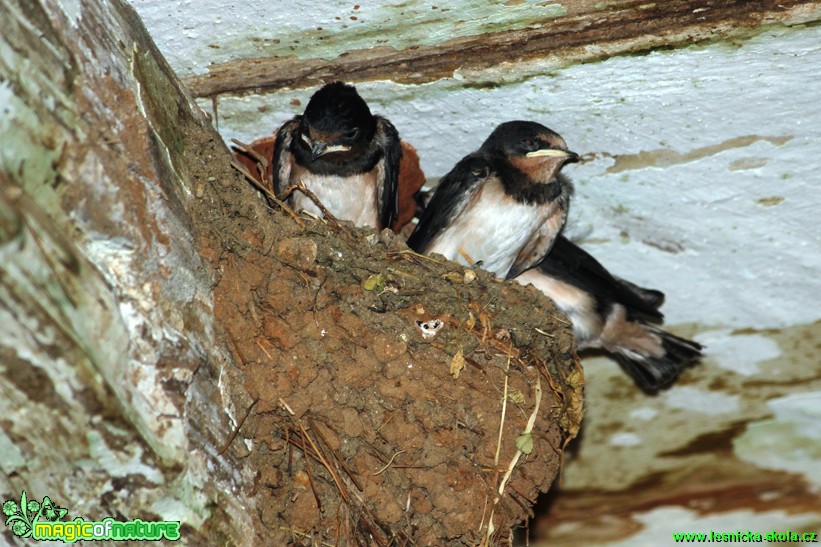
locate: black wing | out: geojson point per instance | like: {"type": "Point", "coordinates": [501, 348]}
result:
{"type": "Point", "coordinates": [572, 264]}
{"type": "Point", "coordinates": [388, 186]}
{"type": "Point", "coordinates": [453, 193]}
{"type": "Point", "coordinates": [283, 158]}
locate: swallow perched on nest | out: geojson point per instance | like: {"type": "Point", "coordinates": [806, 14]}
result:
{"type": "Point", "coordinates": [345, 155]}
{"type": "Point", "coordinates": [612, 314]}
{"type": "Point", "coordinates": [503, 205]}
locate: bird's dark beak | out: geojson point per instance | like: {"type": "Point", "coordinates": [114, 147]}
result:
{"type": "Point", "coordinates": [317, 150]}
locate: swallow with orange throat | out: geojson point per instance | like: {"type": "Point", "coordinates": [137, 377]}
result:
{"type": "Point", "coordinates": [346, 156]}
{"type": "Point", "coordinates": [613, 314]}
{"type": "Point", "coordinates": [502, 206]}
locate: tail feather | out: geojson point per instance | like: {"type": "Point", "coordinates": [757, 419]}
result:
{"type": "Point", "coordinates": [651, 297]}
{"type": "Point", "coordinates": [652, 373]}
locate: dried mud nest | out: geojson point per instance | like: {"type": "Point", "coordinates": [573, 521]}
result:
{"type": "Point", "coordinates": [391, 399]}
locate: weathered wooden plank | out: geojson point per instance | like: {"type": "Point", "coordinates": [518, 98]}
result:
{"type": "Point", "coordinates": [587, 32]}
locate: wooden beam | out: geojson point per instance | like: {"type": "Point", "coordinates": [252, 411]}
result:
{"type": "Point", "coordinates": [589, 32]}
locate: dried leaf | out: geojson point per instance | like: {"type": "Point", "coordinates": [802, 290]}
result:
{"type": "Point", "coordinates": [374, 283]}
{"type": "Point", "coordinates": [457, 364]}
{"type": "Point", "coordinates": [484, 318]}
{"type": "Point", "coordinates": [516, 396]}
{"type": "Point", "coordinates": [471, 322]}
{"type": "Point", "coordinates": [453, 277]}
{"type": "Point", "coordinates": [524, 443]}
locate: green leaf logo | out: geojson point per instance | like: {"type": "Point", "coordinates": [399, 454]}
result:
{"type": "Point", "coordinates": [22, 517]}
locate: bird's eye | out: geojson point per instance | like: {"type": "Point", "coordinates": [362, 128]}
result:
{"type": "Point", "coordinates": [529, 144]}
{"type": "Point", "coordinates": [352, 134]}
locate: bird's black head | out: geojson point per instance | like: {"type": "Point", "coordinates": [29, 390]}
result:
{"type": "Point", "coordinates": [531, 148]}
{"type": "Point", "coordinates": [336, 121]}
{"type": "Point", "coordinates": [529, 140]}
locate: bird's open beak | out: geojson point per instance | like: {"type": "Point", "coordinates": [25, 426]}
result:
{"type": "Point", "coordinates": [554, 153]}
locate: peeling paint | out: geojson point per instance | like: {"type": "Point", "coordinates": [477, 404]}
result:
{"type": "Point", "coordinates": [624, 439]}
{"type": "Point", "coordinates": [790, 441]}
{"type": "Point", "coordinates": [190, 503]}
{"type": "Point", "coordinates": [740, 353]}
{"type": "Point", "coordinates": [194, 39]}
{"type": "Point", "coordinates": [665, 157]}
{"type": "Point", "coordinates": [19, 154]}
{"type": "Point", "coordinates": [644, 413]}
{"type": "Point", "coordinates": [120, 464]}
{"type": "Point", "coordinates": [703, 402]}
{"type": "Point", "coordinates": [744, 164]}
{"type": "Point", "coordinates": [770, 201]}
{"type": "Point", "coordinates": [10, 457]}
{"type": "Point", "coordinates": [72, 9]}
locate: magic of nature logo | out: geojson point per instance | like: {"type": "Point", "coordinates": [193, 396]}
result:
{"type": "Point", "coordinates": [43, 520]}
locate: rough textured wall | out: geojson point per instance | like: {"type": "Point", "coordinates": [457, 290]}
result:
{"type": "Point", "coordinates": [107, 347]}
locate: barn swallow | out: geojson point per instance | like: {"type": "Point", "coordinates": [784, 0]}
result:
{"type": "Point", "coordinates": [502, 205]}
{"type": "Point", "coordinates": [612, 314]}
{"type": "Point", "coordinates": [345, 155]}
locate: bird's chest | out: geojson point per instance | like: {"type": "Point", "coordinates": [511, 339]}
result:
{"type": "Point", "coordinates": [351, 198]}
{"type": "Point", "coordinates": [493, 229]}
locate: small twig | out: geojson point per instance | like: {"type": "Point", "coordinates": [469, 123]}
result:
{"type": "Point", "coordinates": [544, 333]}
{"type": "Point", "coordinates": [560, 320]}
{"type": "Point", "coordinates": [264, 350]}
{"type": "Point", "coordinates": [413, 255]}
{"type": "Point", "coordinates": [290, 449]}
{"type": "Point", "coordinates": [339, 459]}
{"type": "Point", "coordinates": [520, 503]}
{"type": "Point", "coordinates": [285, 194]}
{"type": "Point", "coordinates": [400, 273]}
{"type": "Point", "coordinates": [528, 429]}
{"type": "Point", "coordinates": [339, 527]}
{"type": "Point", "coordinates": [389, 463]}
{"type": "Point", "coordinates": [491, 528]}
{"type": "Point", "coordinates": [269, 194]}
{"type": "Point", "coordinates": [310, 474]}
{"type": "Point", "coordinates": [295, 443]}
{"type": "Point", "coordinates": [466, 256]}
{"type": "Point", "coordinates": [305, 535]}
{"type": "Point", "coordinates": [236, 429]}
{"type": "Point", "coordinates": [370, 521]}
{"type": "Point", "coordinates": [528, 500]}
{"type": "Point", "coordinates": [385, 422]}
{"type": "Point", "coordinates": [484, 510]}
{"type": "Point", "coordinates": [286, 406]}
{"type": "Point", "coordinates": [325, 463]}
{"type": "Point", "coordinates": [504, 410]}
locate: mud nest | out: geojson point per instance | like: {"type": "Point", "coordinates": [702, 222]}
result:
{"type": "Point", "coordinates": [378, 381]}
